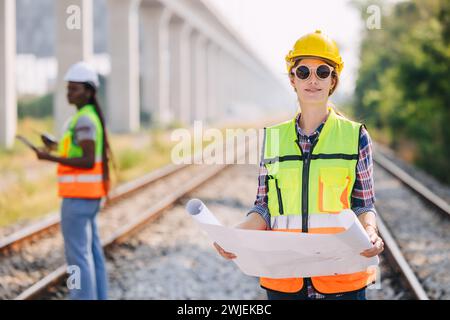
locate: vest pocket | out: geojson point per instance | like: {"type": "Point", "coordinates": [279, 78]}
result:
{"type": "Point", "coordinates": [275, 202]}
{"type": "Point", "coordinates": [333, 189]}
{"type": "Point", "coordinates": [280, 199]}
{"type": "Point", "coordinates": [284, 191]}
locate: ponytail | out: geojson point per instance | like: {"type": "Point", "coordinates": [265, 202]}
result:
{"type": "Point", "coordinates": [339, 113]}
{"type": "Point", "coordinates": [106, 152]}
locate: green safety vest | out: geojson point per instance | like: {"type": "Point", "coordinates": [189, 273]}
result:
{"type": "Point", "coordinates": [305, 190]}
{"type": "Point", "coordinates": [68, 148]}
{"type": "Point", "coordinates": [78, 182]}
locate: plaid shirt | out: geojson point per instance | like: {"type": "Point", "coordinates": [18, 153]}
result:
{"type": "Point", "coordinates": [363, 194]}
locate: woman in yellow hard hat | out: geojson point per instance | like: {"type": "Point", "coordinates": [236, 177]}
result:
{"type": "Point", "coordinates": [313, 167]}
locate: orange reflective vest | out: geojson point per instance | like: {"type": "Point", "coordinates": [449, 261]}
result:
{"type": "Point", "coordinates": [77, 182]}
{"type": "Point", "coordinates": [306, 192]}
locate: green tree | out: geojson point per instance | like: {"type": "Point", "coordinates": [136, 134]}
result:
{"type": "Point", "coordinates": [403, 86]}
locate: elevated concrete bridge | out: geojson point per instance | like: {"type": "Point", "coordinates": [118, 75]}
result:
{"type": "Point", "coordinates": [176, 60]}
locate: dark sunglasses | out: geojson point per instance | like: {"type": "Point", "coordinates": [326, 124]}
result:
{"type": "Point", "coordinates": [303, 72]}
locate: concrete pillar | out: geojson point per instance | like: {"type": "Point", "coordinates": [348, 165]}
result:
{"type": "Point", "coordinates": [8, 102]}
{"type": "Point", "coordinates": [222, 84]}
{"type": "Point", "coordinates": [74, 42]}
{"type": "Point", "coordinates": [250, 80]}
{"type": "Point", "coordinates": [193, 75]}
{"type": "Point", "coordinates": [156, 74]}
{"type": "Point", "coordinates": [180, 69]}
{"type": "Point", "coordinates": [212, 82]}
{"type": "Point", "coordinates": [243, 83]}
{"type": "Point", "coordinates": [225, 83]}
{"type": "Point", "coordinates": [200, 77]}
{"type": "Point", "coordinates": [186, 74]}
{"type": "Point", "coordinates": [257, 88]}
{"type": "Point", "coordinates": [248, 85]}
{"type": "Point", "coordinates": [231, 86]}
{"type": "Point", "coordinates": [123, 83]}
{"type": "Point", "coordinates": [240, 74]}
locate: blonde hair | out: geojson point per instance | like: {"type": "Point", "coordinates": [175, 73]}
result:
{"type": "Point", "coordinates": [339, 113]}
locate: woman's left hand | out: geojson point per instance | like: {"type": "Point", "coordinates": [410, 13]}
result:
{"type": "Point", "coordinates": [42, 154]}
{"type": "Point", "coordinates": [378, 244]}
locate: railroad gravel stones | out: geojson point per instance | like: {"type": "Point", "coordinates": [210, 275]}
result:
{"type": "Point", "coordinates": [421, 232]}
{"type": "Point", "coordinates": [173, 259]}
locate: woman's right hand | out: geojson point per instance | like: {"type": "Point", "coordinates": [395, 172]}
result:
{"type": "Point", "coordinates": [253, 221]}
{"type": "Point", "coordinates": [223, 253]}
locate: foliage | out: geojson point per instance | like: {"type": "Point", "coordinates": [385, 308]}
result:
{"type": "Point", "coordinates": [403, 86]}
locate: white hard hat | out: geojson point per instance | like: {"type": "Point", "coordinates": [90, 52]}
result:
{"type": "Point", "coordinates": [82, 72]}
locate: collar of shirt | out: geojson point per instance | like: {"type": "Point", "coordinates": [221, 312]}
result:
{"type": "Point", "coordinates": [313, 135]}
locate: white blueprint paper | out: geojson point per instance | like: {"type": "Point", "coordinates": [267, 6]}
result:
{"type": "Point", "coordinates": [275, 254]}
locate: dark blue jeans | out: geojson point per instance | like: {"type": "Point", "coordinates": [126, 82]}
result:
{"type": "Point", "coordinates": [302, 295]}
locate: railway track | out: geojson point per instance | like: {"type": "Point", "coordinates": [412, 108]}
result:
{"type": "Point", "coordinates": [171, 258]}
{"type": "Point", "coordinates": [16, 240]}
{"type": "Point", "coordinates": [398, 244]}
{"type": "Point", "coordinates": [398, 262]}
{"type": "Point", "coordinates": [184, 179]}
{"type": "Point", "coordinates": [418, 188]}
{"type": "Point", "coordinates": [393, 253]}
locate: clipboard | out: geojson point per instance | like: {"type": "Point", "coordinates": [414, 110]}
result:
{"type": "Point", "coordinates": [27, 142]}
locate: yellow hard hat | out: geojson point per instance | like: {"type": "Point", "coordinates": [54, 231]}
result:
{"type": "Point", "coordinates": [315, 45]}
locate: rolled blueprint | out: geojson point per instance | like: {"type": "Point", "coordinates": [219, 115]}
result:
{"type": "Point", "coordinates": [278, 255]}
{"type": "Point", "coordinates": [198, 210]}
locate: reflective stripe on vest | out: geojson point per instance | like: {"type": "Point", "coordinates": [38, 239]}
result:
{"type": "Point", "coordinates": [306, 192]}
{"type": "Point", "coordinates": [78, 182]}
{"type": "Point", "coordinates": [80, 178]}
{"type": "Point", "coordinates": [324, 223]}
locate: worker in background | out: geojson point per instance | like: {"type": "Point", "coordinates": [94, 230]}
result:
{"type": "Point", "coordinates": [313, 166]}
{"type": "Point", "coordinates": [83, 179]}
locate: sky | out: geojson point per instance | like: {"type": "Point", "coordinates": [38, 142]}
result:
{"type": "Point", "coordinates": [271, 28]}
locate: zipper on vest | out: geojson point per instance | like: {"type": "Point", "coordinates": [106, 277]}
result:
{"type": "Point", "coordinates": [304, 192]}
{"type": "Point", "coordinates": [280, 200]}
{"type": "Point", "coordinates": [305, 195]}
{"type": "Point", "coordinates": [305, 185]}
